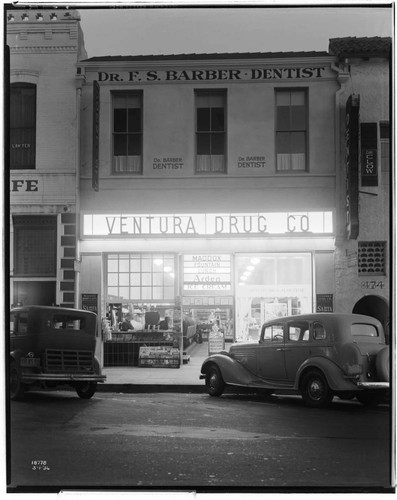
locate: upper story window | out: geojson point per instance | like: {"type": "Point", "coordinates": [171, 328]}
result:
{"type": "Point", "coordinates": [210, 132]}
{"type": "Point", "coordinates": [35, 245]}
{"type": "Point", "coordinates": [22, 126]}
{"type": "Point", "coordinates": [127, 132]}
{"type": "Point", "coordinates": [291, 130]}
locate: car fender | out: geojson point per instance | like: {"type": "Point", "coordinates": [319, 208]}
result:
{"type": "Point", "coordinates": [232, 371]}
{"type": "Point", "coordinates": [336, 379]}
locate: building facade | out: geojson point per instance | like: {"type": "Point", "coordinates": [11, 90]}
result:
{"type": "Point", "coordinates": [44, 47]}
{"type": "Point", "coordinates": [209, 181]}
{"type": "Point", "coordinates": [363, 272]}
{"type": "Point", "coordinates": [215, 184]}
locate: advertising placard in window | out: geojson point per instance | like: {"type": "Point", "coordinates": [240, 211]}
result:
{"type": "Point", "coordinates": [207, 272]}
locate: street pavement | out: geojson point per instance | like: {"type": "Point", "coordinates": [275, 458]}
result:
{"type": "Point", "coordinates": [134, 378]}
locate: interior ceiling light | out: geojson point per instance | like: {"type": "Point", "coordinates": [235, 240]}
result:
{"type": "Point", "coordinates": [255, 260]}
{"type": "Point", "coordinates": [250, 268]}
{"type": "Point", "coordinates": [243, 278]}
{"type": "Point", "coordinates": [167, 269]}
{"type": "Point", "coordinates": [158, 262]}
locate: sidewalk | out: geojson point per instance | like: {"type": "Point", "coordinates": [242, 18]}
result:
{"type": "Point", "coordinates": [130, 379]}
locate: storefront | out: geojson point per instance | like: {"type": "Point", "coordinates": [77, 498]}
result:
{"type": "Point", "coordinates": [196, 273]}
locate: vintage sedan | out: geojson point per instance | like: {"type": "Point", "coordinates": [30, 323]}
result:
{"type": "Point", "coordinates": [316, 355]}
{"type": "Point", "coordinates": [51, 346]}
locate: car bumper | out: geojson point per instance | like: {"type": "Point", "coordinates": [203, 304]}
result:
{"type": "Point", "coordinates": [373, 385]}
{"type": "Point", "coordinates": [62, 377]}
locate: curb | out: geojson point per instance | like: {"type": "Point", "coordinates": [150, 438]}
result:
{"type": "Point", "coordinates": [150, 388]}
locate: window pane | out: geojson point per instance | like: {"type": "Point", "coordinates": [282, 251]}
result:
{"type": "Point", "coordinates": [134, 145]}
{"type": "Point", "coordinates": [134, 120]}
{"type": "Point", "coordinates": [283, 99]}
{"type": "Point", "coordinates": [120, 120]}
{"type": "Point", "coordinates": [135, 265]}
{"type": "Point", "coordinates": [157, 279]}
{"type": "Point", "coordinates": [147, 265]}
{"type": "Point", "coordinates": [297, 98]}
{"type": "Point", "coordinates": [298, 118]}
{"type": "Point", "coordinates": [124, 292]}
{"type": "Point", "coordinates": [217, 119]}
{"type": "Point", "coordinates": [203, 119]}
{"type": "Point", "coordinates": [113, 279]}
{"type": "Point", "coordinates": [217, 144]}
{"type": "Point", "coordinates": [283, 142]}
{"type": "Point", "coordinates": [120, 145]}
{"type": "Point", "coordinates": [113, 266]}
{"type": "Point", "coordinates": [203, 144]}
{"type": "Point", "coordinates": [283, 118]}
{"type": "Point", "coordinates": [298, 140]}
{"type": "Point", "coordinates": [124, 266]}
{"type": "Point", "coordinates": [146, 279]}
{"type": "Point", "coordinates": [124, 279]}
{"type": "Point", "coordinates": [135, 279]}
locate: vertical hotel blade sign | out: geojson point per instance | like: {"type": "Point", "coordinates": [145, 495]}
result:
{"type": "Point", "coordinates": [95, 137]}
{"type": "Point", "coordinates": [352, 164]}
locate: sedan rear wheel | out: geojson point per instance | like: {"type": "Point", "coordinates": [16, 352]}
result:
{"type": "Point", "coordinates": [214, 382]}
{"type": "Point", "coordinates": [315, 390]}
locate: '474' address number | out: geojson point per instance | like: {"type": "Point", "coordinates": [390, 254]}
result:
{"type": "Point", "coordinates": [372, 285]}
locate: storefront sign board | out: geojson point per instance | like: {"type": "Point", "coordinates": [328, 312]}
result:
{"type": "Point", "coordinates": [236, 224]}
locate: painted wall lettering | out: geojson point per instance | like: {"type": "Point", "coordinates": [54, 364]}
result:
{"type": "Point", "coordinates": [208, 75]}
{"type": "Point", "coordinates": [29, 185]}
{"type": "Point", "coordinates": [167, 164]}
{"type": "Point", "coordinates": [251, 162]}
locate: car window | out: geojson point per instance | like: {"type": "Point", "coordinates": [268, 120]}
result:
{"type": "Point", "coordinates": [66, 322]}
{"type": "Point", "coordinates": [273, 333]}
{"type": "Point", "coordinates": [298, 331]}
{"type": "Point", "coordinates": [363, 330]}
{"type": "Point", "coordinates": [19, 323]}
{"type": "Point", "coordinates": [319, 332]}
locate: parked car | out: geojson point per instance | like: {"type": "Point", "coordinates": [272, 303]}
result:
{"type": "Point", "coordinates": [50, 346]}
{"type": "Point", "coordinates": [316, 355]}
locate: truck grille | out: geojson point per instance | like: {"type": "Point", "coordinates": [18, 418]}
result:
{"type": "Point", "coordinates": [68, 361]}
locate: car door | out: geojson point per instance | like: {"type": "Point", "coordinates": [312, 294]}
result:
{"type": "Point", "coordinates": [297, 347]}
{"type": "Point", "coordinates": [270, 353]}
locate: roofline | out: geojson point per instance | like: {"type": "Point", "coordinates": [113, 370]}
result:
{"type": "Point", "coordinates": [319, 58]}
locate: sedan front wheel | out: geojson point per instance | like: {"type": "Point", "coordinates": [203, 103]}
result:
{"type": "Point", "coordinates": [214, 382]}
{"type": "Point", "coordinates": [315, 390]}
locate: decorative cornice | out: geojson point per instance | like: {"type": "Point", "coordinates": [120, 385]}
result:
{"type": "Point", "coordinates": [44, 50]}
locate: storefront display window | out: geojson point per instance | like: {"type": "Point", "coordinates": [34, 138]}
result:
{"type": "Point", "coordinates": [141, 277]}
{"type": "Point", "coordinates": [270, 286]}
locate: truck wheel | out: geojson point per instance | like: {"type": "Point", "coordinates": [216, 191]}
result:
{"type": "Point", "coordinates": [214, 382]}
{"type": "Point", "coordinates": [86, 390]}
{"type": "Point", "coordinates": [17, 388]}
{"type": "Point", "coordinates": [315, 390]}
{"type": "Point", "coordinates": [383, 365]}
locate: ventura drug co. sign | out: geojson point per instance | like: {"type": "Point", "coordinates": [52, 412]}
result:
{"type": "Point", "coordinates": [144, 225]}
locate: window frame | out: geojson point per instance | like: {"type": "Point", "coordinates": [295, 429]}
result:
{"type": "Point", "coordinates": [212, 170]}
{"type": "Point", "coordinates": [277, 130]}
{"type": "Point", "coordinates": [126, 94]}
{"type": "Point", "coordinates": [31, 165]}
{"type": "Point", "coordinates": [141, 265]}
{"type": "Point", "coordinates": [22, 224]}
